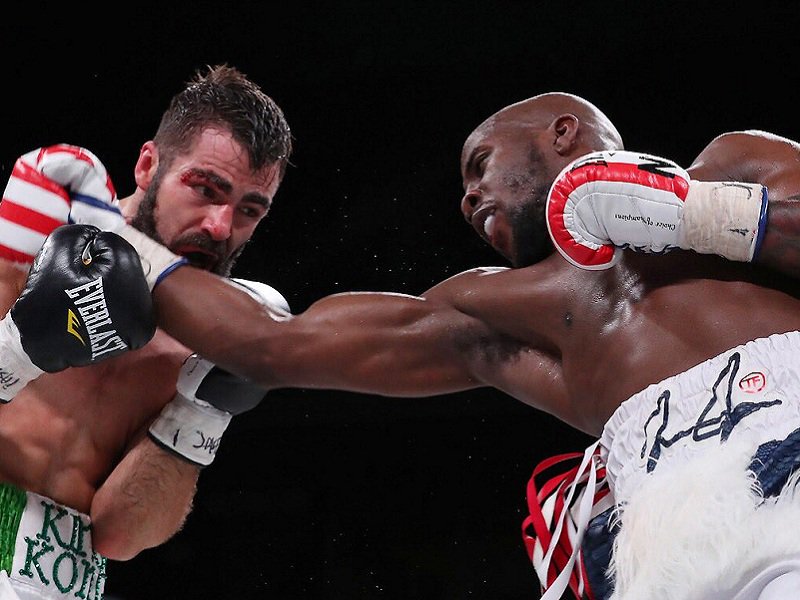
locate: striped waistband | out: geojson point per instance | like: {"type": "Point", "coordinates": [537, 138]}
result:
{"type": "Point", "coordinates": [12, 505]}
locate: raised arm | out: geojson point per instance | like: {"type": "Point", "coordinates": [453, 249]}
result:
{"type": "Point", "coordinates": [738, 200]}
{"type": "Point", "coordinates": [774, 161]}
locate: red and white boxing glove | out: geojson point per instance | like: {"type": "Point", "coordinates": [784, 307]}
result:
{"type": "Point", "coordinates": [62, 184]}
{"type": "Point", "coordinates": [606, 201]}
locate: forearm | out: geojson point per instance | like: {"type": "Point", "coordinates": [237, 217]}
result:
{"type": "Point", "coordinates": [218, 321]}
{"type": "Point", "coordinates": [378, 343]}
{"type": "Point", "coordinates": [143, 503]}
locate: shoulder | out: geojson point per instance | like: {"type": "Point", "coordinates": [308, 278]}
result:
{"type": "Point", "coordinates": [752, 140]}
{"type": "Point", "coordinates": [744, 154]}
{"type": "Point", "coordinates": [466, 280]}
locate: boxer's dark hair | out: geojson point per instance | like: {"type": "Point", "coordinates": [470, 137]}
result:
{"type": "Point", "coordinates": [224, 96]}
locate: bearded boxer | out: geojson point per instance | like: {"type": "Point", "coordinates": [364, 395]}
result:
{"type": "Point", "coordinates": [111, 473]}
{"type": "Point", "coordinates": [682, 364]}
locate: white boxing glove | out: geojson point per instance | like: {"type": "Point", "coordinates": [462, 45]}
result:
{"type": "Point", "coordinates": [207, 397]}
{"type": "Point", "coordinates": [61, 184]}
{"type": "Point", "coordinates": [606, 201]}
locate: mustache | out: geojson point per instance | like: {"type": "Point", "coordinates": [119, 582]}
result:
{"type": "Point", "coordinates": [201, 241]}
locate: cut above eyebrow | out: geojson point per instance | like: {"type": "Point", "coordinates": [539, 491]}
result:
{"type": "Point", "coordinates": [227, 187]}
{"type": "Point", "coordinates": [220, 182]}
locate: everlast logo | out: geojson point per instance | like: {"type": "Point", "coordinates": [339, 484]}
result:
{"type": "Point", "coordinates": [92, 320]}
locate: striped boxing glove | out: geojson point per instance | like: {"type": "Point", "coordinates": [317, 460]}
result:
{"type": "Point", "coordinates": [62, 184]}
{"type": "Point", "coordinates": [37, 197]}
{"type": "Point", "coordinates": [606, 201]}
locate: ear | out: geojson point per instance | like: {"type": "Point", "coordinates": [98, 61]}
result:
{"type": "Point", "coordinates": [146, 165]}
{"type": "Point", "coordinates": [565, 133]}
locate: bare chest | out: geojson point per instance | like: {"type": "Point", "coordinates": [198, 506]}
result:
{"type": "Point", "coordinates": [66, 431]}
{"type": "Point", "coordinates": [618, 345]}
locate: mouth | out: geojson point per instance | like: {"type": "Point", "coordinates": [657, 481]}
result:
{"type": "Point", "coordinates": [198, 257]}
{"type": "Point", "coordinates": [483, 221]}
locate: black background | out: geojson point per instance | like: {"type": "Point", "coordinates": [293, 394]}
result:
{"type": "Point", "coordinates": [328, 495]}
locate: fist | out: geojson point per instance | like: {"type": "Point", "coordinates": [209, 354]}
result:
{"type": "Point", "coordinates": [85, 300]}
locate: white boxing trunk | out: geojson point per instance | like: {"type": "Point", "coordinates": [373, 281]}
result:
{"type": "Point", "coordinates": [706, 508]}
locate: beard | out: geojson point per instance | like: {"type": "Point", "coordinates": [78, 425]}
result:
{"type": "Point", "coordinates": [528, 220]}
{"type": "Point", "coordinates": [531, 238]}
{"type": "Point", "coordinates": [145, 221]}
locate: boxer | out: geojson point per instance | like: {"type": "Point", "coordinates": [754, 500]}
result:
{"type": "Point", "coordinates": [91, 468]}
{"type": "Point", "coordinates": [681, 363]}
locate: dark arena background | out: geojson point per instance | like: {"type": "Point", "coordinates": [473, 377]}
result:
{"type": "Point", "coordinates": [337, 496]}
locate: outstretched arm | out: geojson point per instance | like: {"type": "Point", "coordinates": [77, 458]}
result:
{"type": "Point", "coordinates": [382, 343]}
{"type": "Point", "coordinates": [472, 330]}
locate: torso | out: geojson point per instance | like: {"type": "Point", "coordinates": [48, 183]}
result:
{"type": "Point", "coordinates": [662, 323]}
{"type": "Point", "coordinates": [62, 435]}
{"type": "Point", "coordinates": [602, 336]}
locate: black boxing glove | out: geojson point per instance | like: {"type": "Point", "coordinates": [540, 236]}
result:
{"type": "Point", "coordinates": [192, 423]}
{"type": "Point", "coordinates": [86, 300]}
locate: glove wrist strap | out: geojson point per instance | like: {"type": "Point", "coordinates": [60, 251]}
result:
{"type": "Point", "coordinates": [16, 368]}
{"type": "Point", "coordinates": [157, 260]}
{"type": "Point", "coordinates": [190, 428]}
{"type": "Point", "coordinates": [724, 218]}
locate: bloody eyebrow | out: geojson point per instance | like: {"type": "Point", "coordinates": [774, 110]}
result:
{"type": "Point", "coordinates": [208, 176]}
{"type": "Point", "coordinates": [222, 184]}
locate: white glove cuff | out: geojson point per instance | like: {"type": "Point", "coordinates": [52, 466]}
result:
{"type": "Point", "coordinates": [16, 368]}
{"type": "Point", "coordinates": [190, 428]}
{"type": "Point", "coordinates": [157, 260]}
{"type": "Point", "coordinates": [723, 218]}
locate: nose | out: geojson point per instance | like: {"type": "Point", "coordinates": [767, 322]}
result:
{"type": "Point", "coordinates": [469, 202]}
{"type": "Point", "coordinates": [218, 221]}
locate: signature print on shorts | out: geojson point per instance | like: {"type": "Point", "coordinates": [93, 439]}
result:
{"type": "Point", "coordinates": [718, 418]}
